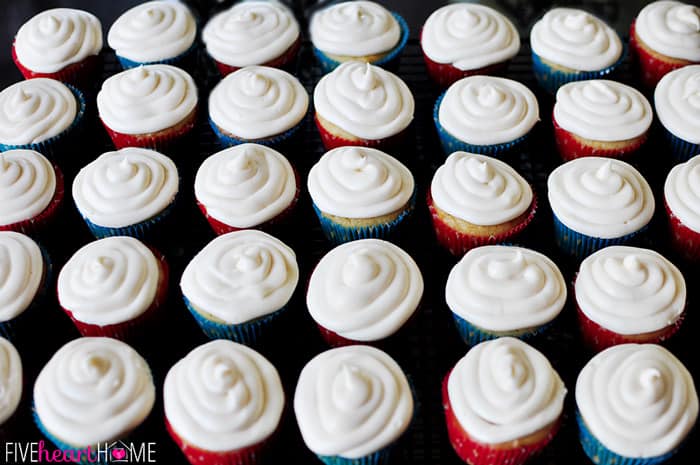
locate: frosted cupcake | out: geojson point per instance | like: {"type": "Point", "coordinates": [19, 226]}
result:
{"type": "Point", "coordinates": [463, 39]}
{"type": "Point", "coordinates": [503, 403]}
{"type": "Point", "coordinates": [11, 382]}
{"type": "Point", "coordinates": [484, 114]}
{"type": "Point", "coordinates": [678, 110]}
{"type": "Point", "coordinates": [682, 202]}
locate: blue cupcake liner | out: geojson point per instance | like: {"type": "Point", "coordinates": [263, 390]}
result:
{"type": "Point", "coordinates": [178, 60]}
{"type": "Point", "coordinates": [473, 335]}
{"type": "Point", "coordinates": [274, 141]}
{"type": "Point", "coordinates": [681, 150]}
{"type": "Point", "coordinates": [380, 457]}
{"type": "Point", "coordinates": [580, 246]}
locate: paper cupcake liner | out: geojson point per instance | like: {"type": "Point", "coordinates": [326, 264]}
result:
{"type": "Point", "coordinates": [331, 141]}
{"type": "Point", "coordinates": [276, 141]}
{"type": "Point", "coordinates": [684, 240]}
{"type": "Point", "coordinates": [81, 74]}
{"type": "Point", "coordinates": [681, 150]}
{"type": "Point", "coordinates": [159, 141]}
{"type": "Point", "coordinates": [284, 61]}
{"type": "Point", "coordinates": [651, 68]}
{"type": "Point", "coordinates": [580, 246]}
{"type": "Point", "coordinates": [186, 58]}
{"type": "Point", "coordinates": [381, 457]}
{"type": "Point", "coordinates": [473, 335]}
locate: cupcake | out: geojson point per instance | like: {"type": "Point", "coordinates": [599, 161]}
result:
{"type": "Point", "coordinates": [113, 287]}
{"type": "Point", "coordinates": [159, 32]}
{"type": "Point", "coordinates": [357, 31]}
{"type": "Point", "coordinates": [485, 114]}
{"type": "Point", "coordinates": [682, 202]}
{"type": "Point", "coordinates": [150, 106]}
{"type": "Point", "coordinates": [62, 44]}
{"type": "Point", "coordinates": [503, 403]}
{"type": "Point", "coordinates": [499, 290]}
{"type": "Point", "coordinates": [252, 33]}
{"type": "Point", "coordinates": [362, 104]}
{"type": "Point", "coordinates": [352, 405]}
{"type": "Point", "coordinates": [126, 193]}
{"type": "Point", "coordinates": [678, 111]}
{"type": "Point", "coordinates": [257, 104]}
{"type": "Point", "coordinates": [239, 284]}
{"type": "Point", "coordinates": [363, 292]}
{"type": "Point", "coordinates": [464, 39]}
{"type": "Point", "coordinates": [246, 186]}
{"type": "Point", "coordinates": [360, 193]}
{"type": "Point", "coordinates": [600, 118]}
{"type": "Point", "coordinates": [223, 403]}
{"type": "Point", "coordinates": [636, 403]}
{"type": "Point", "coordinates": [11, 382]}
{"type": "Point", "coordinates": [31, 191]}
{"type": "Point", "coordinates": [477, 200]}
{"type": "Point", "coordinates": [571, 45]}
{"type": "Point", "coordinates": [665, 36]}
{"type": "Point", "coordinates": [598, 202]}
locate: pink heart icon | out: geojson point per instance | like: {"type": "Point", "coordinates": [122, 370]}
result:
{"type": "Point", "coordinates": [118, 454]}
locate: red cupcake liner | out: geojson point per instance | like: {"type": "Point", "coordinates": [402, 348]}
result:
{"type": "Point", "coordinates": [332, 141]}
{"type": "Point", "coordinates": [684, 240]}
{"type": "Point", "coordinates": [79, 74]}
{"type": "Point", "coordinates": [651, 68]}
{"type": "Point", "coordinates": [280, 62]}
{"type": "Point", "coordinates": [334, 339]}
{"type": "Point", "coordinates": [159, 141]}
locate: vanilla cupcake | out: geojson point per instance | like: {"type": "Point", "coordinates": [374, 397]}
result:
{"type": "Point", "coordinates": [678, 110]}
{"type": "Point", "coordinates": [682, 202]}
{"type": "Point", "coordinates": [11, 385]}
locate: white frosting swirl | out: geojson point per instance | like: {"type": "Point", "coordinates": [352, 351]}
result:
{"type": "Point", "coordinates": [630, 290]}
{"type": "Point", "coordinates": [670, 28]}
{"type": "Point", "coordinates": [682, 192]}
{"type": "Point", "coordinates": [487, 110]}
{"type": "Point", "coordinates": [364, 100]}
{"type": "Point", "coordinates": [258, 102]}
{"type": "Point", "coordinates": [147, 99]}
{"type": "Point", "coordinates": [250, 33]}
{"type": "Point", "coordinates": [677, 102]}
{"type": "Point", "coordinates": [21, 273]}
{"type": "Point", "coordinates": [504, 288]}
{"type": "Point", "coordinates": [602, 110]}
{"type": "Point", "coordinates": [469, 36]}
{"type": "Point", "coordinates": [600, 197]}
{"type": "Point", "coordinates": [352, 401]}
{"type": "Point", "coordinates": [354, 28]}
{"type": "Point", "coordinates": [27, 185]}
{"type": "Point", "coordinates": [153, 31]}
{"type": "Point", "coordinates": [575, 39]}
{"type": "Point", "coordinates": [241, 276]}
{"type": "Point", "coordinates": [479, 189]}
{"type": "Point", "coordinates": [35, 110]}
{"type": "Point", "coordinates": [10, 380]}
{"type": "Point", "coordinates": [638, 400]}
{"type": "Point", "coordinates": [364, 290]}
{"type": "Point", "coordinates": [56, 38]}
{"type": "Point", "coordinates": [223, 396]}
{"type": "Point", "coordinates": [360, 182]}
{"type": "Point", "coordinates": [109, 281]}
{"type": "Point", "coordinates": [504, 390]}
{"type": "Point", "coordinates": [245, 185]}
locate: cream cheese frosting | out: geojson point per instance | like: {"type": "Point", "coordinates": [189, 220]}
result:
{"type": "Point", "coordinates": [360, 182]}
{"type": "Point", "coordinates": [575, 39]}
{"type": "Point", "coordinates": [469, 36]}
{"type": "Point", "coordinates": [352, 401]}
{"type": "Point", "coordinates": [364, 290]}
{"type": "Point", "coordinates": [677, 102]}
{"type": "Point", "coordinates": [245, 185]}
{"type": "Point", "coordinates": [503, 390]}
{"type": "Point", "coordinates": [682, 192]}
{"type": "Point", "coordinates": [10, 380]}
{"type": "Point", "coordinates": [364, 100]}
{"type": "Point", "coordinates": [223, 396]}
{"type": "Point", "coordinates": [670, 28]}
{"type": "Point", "coordinates": [638, 400]}
{"type": "Point", "coordinates": [600, 197]}
{"type": "Point", "coordinates": [258, 102]}
{"type": "Point", "coordinates": [21, 273]}
{"type": "Point", "coordinates": [27, 185]}
{"type": "Point", "coordinates": [241, 276]}
{"type": "Point", "coordinates": [487, 110]}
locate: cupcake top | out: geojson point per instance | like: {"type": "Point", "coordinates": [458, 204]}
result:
{"type": "Point", "coordinates": [35, 110]}
{"type": "Point", "coordinates": [602, 110]}
{"type": "Point", "coordinates": [670, 28]}
{"type": "Point", "coordinates": [575, 39]}
{"type": "Point", "coordinates": [125, 187]}
{"type": "Point", "coordinates": [223, 396]}
{"type": "Point", "coordinates": [109, 281]}
{"type": "Point", "coordinates": [250, 33]}
{"type": "Point", "coordinates": [355, 29]}
{"type": "Point", "coordinates": [364, 100]}
{"type": "Point", "coordinates": [10, 379]}
{"type": "Point", "coordinates": [360, 182]}
{"type": "Point", "coordinates": [487, 110]}
{"type": "Point", "coordinates": [21, 273]}
{"type": "Point", "coordinates": [677, 103]}
{"type": "Point", "coordinates": [245, 185]}
{"type": "Point", "coordinates": [352, 401]}
{"type": "Point", "coordinates": [638, 400]}
{"type": "Point", "coordinates": [469, 36]}
{"type": "Point", "coordinates": [27, 185]}
{"type": "Point", "coordinates": [682, 192]}
{"type": "Point", "coordinates": [147, 99]}
{"type": "Point", "coordinates": [364, 290]}
{"type": "Point", "coordinates": [600, 197]}
{"type": "Point", "coordinates": [503, 390]}
{"type": "Point", "coordinates": [505, 288]}
{"type": "Point", "coordinates": [630, 290]}
{"type": "Point", "coordinates": [258, 102]}
{"type": "Point", "coordinates": [153, 31]}
{"type": "Point", "coordinates": [56, 38]}
{"type": "Point", "coordinates": [479, 189]}
{"type": "Point", "coordinates": [241, 276]}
